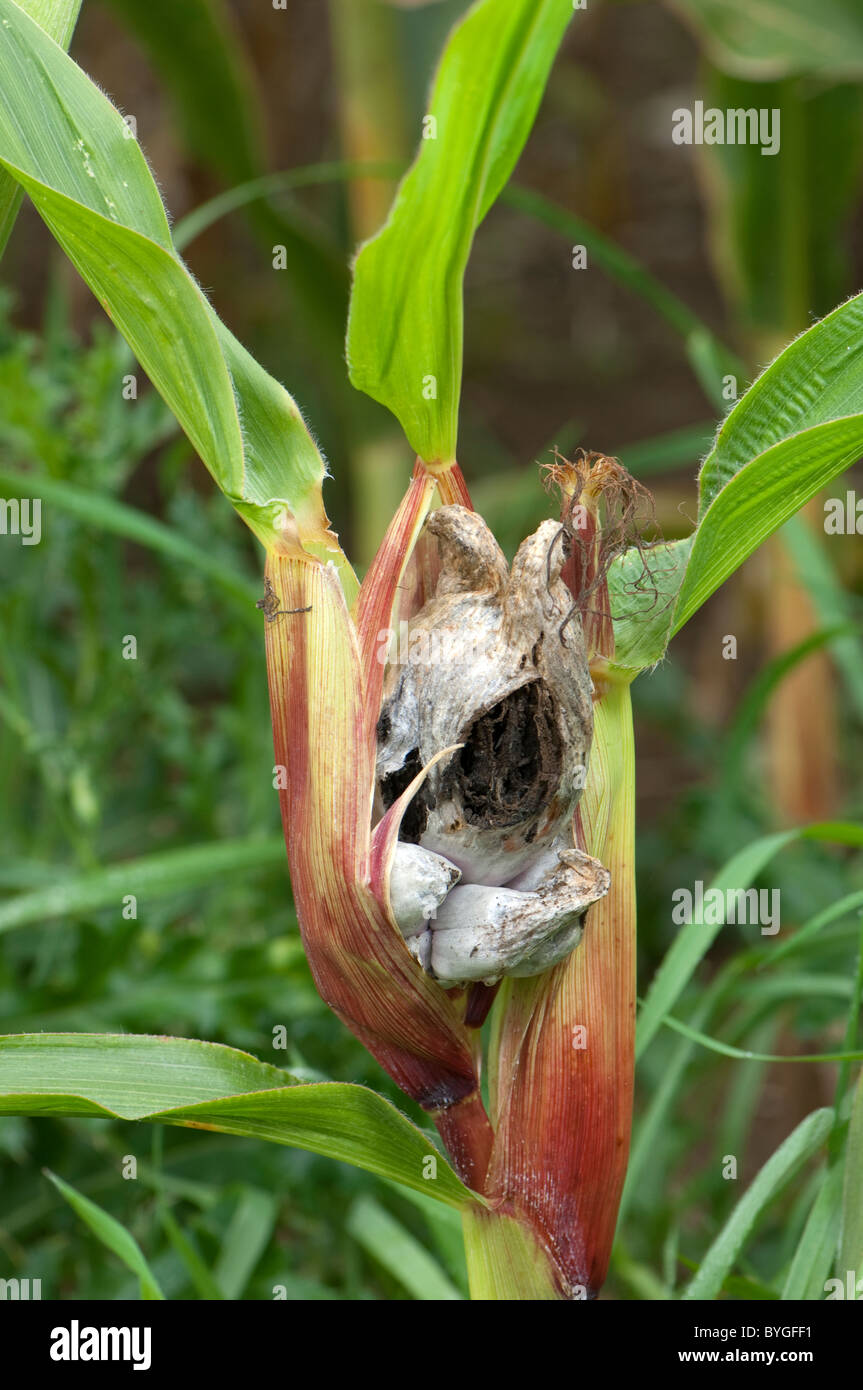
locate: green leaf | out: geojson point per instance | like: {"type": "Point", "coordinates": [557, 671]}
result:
{"type": "Point", "coordinates": [710, 359]}
{"type": "Point", "coordinates": [694, 940]}
{"type": "Point", "coordinates": [247, 1236]}
{"type": "Point", "coordinates": [803, 404]}
{"type": "Point", "coordinates": [71, 151]}
{"type": "Point", "coordinates": [153, 875]}
{"type": "Point", "coordinates": [783, 36]}
{"type": "Point", "coordinates": [796, 428]}
{"type": "Point", "coordinates": [804, 934]}
{"type": "Point", "coordinates": [445, 1228]}
{"type": "Point", "coordinates": [778, 223]}
{"type": "Point", "coordinates": [728, 1050]}
{"type": "Point", "coordinates": [649, 1123]}
{"type": "Point", "coordinates": [760, 499]}
{"type": "Point", "coordinates": [744, 1287]}
{"type": "Point", "coordinates": [813, 1258]}
{"type": "Point", "coordinates": [851, 1242]}
{"type": "Point", "coordinates": [643, 590]}
{"type": "Point", "coordinates": [406, 318]}
{"type": "Point", "coordinates": [834, 606]}
{"type": "Point", "coordinates": [801, 1145]}
{"type": "Point", "coordinates": [852, 1037]}
{"type": "Point", "coordinates": [272, 185]}
{"type": "Point", "coordinates": [180, 1081]}
{"type": "Point", "coordinates": [196, 1268]}
{"type": "Point", "coordinates": [639, 1277]}
{"type": "Point", "coordinates": [399, 1252]}
{"type": "Point", "coordinates": [107, 514]}
{"type": "Point", "coordinates": [112, 1235]}
{"type": "Point", "coordinates": [57, 18]}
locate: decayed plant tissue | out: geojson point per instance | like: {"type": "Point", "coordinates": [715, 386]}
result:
{"type": "Point", "coordinates": [486, 880]}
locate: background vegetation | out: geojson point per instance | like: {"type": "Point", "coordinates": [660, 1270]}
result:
{"type": "Point", "coordinates": [164, 764]}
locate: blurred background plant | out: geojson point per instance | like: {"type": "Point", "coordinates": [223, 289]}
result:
{"type": "Point", "coordinates": [701, 263]}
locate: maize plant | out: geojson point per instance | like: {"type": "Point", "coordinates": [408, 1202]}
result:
{"type": "Point", "coordinates": [453, 735]}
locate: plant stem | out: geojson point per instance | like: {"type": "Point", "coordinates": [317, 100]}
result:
{"type": "Point", "coordinates": [561, 1068]}
{"type": "Point", "coordinates": [504, 1261]}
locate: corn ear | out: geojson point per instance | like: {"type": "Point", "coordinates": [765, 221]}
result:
{"type": "Point", "coordinates": [324, 695]}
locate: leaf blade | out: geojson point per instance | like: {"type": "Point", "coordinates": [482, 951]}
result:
{"type": "Point", "coordinates": [70, 149]}
{"type": "Point", "coordinates": [797, 427]}
{"type": "Point", "coordinates": [813, 1258]}
{"type": "Point", "coordinates": [851, 1240]}
{"type": "Point", "coordinates": [168, 871]}
{"type": "Point", "coordinates": [759, 499]}
{"type": "Point", "coordinates": [695, 939]}
{"type": "Point", "coordinates": [395, 344]}
{"type": "Point", "coordinates": [112, 1234]}
{"type": "Point", "coordinates": [205, 1085]}
{"type": "Point", "coordinates": [58, 18]}
{"type": "Point", "coordinates": [771, 40]}
{"type": "Point", "coordinates": [801, 1145]}
{"type": "Point", "coordinates": [400, 1253]}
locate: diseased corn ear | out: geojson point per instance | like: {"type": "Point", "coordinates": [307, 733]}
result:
{"type": "Point", "coordinates": [489, 667]}
{"type": "Point", "coordinates": [323, 678]}
{"type": "Point", "coordinates": [471, 561]}
{"type": "Point", "coordinates": [419, 882]}
{"type": "Point", "coordinates": [482, 933]}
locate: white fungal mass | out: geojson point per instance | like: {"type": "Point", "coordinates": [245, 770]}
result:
{"type": "Point", "coordinates": [503, 679]}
